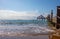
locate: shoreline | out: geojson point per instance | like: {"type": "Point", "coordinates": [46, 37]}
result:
{"type": "Point", "coordinates": [23, 34]}
{"type": "Point", "coordinates": [25, 37]}
{"type": "Point", "coordinates": [26, 31]}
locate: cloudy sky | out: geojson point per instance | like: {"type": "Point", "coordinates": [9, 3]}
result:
{"type": "Point", "coordinates": [26, 9]}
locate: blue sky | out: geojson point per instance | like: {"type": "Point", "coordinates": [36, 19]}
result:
{"type": "Point", "coordinates": [29, 6]}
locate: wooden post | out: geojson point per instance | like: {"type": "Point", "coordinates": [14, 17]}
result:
{"type": "Point", "coordinates": [48, 17]}
{"type": "Point", "coordinates": [51, 19]}
{"type": "Point", "coordinates": [58, 17]}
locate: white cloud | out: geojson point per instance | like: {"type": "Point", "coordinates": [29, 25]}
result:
{"type": "Point", "coordinates": [9, 14]}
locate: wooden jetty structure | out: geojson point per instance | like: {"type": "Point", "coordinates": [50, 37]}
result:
{"type": "Point", "coordinates": [50, 18]}
{"type": "Point", "coordinates": [41, 17]}
{"type": "Point", "coordinates": [56, 35]}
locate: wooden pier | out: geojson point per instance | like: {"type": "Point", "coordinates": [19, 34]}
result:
{"type": "Point", "coordinates": [41, 17]}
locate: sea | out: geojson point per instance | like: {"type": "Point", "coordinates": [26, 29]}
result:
{"type": "Point", "coordinates": [10, 27]}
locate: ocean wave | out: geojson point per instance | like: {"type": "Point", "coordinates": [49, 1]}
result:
{"type": "Point", "coordinates": [8, 30]}
{"type": "Point", "coordinates": [13, 27]}
{"type": "Point", "coordinates": [22, 22]}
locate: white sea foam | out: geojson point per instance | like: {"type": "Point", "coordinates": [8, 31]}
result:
{"type": "Point", "coordinates": [9, 30]}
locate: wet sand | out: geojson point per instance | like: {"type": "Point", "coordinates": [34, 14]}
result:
{"type": "Point", "coordinates": [25, 37]}
{"type": "Point", "coordinates": [27, 34]}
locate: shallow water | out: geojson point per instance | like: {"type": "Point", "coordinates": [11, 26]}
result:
{"type": "Point", "coordinates": [24, 26]}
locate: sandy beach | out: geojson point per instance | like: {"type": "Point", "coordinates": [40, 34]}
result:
{"type": "Point", "coordinates": [25, 37]}
{"type": "Point", "coordinates": [25, 32]}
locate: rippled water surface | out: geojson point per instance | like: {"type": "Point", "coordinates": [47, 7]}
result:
{"type": "Point", "coordinates": [24, 26]}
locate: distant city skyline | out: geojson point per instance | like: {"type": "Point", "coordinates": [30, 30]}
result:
{"type": "Point", "coordinates": [27, 9]}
